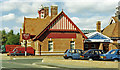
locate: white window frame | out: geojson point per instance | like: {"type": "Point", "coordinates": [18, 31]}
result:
{"type": "Point", "coordinates": [72, 44]}
{"type": "Point", "coordinates": [50, 43]}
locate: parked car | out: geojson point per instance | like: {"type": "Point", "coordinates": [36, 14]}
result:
{"type": "Point", "coordinates": [92, 54]}
{"type": "Point", "coordinates": [111, 55]}
{"type": "Point", "coordinates": [73, 53]}
{"type": "Point", "coordinates": [20, 51]}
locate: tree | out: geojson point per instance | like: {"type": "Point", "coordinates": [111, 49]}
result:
{"type": "Point", "coordinates": [10, 33]}
{"type": "Point", "coordinates": [13, 39]}
{"type": "Point", "coordinates": [4, 37]}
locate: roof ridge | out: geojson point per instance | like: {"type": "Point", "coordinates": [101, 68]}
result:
{"type": "Point", "coordinates": [37, 36]}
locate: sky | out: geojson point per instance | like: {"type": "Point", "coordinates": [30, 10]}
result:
{"type": "Point", "coordinates": [84, 13]}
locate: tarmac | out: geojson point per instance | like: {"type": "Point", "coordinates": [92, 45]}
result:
{"type": "Point", "coordinates": [60, 62]}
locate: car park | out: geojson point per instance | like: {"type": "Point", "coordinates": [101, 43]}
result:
{"type": "Point", "coordinates": [113, 54]}
{"type": "Point", "coordinates": [92, 54]}
{"type": "Point", "coordinates": [73, 53]}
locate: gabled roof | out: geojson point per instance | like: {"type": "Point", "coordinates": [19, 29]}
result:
{"type": "Point", "coordinates": [35, 25]}
{"type": "Point", "coordinates": [97, 37]}
{"type": "Point", "coordinates": [52, 24]}
{"type": "Point", "coordinates": [113, 29]}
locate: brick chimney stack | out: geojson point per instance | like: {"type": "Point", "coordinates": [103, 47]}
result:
{"type": "Point", "coordinates": [43, 12]}
{"type": "Point", "coordinates": [46, 10]}
{"type": "Point", "coordinates": [54, 10]}
{"type": "Point", "coordinates": [98, 26]}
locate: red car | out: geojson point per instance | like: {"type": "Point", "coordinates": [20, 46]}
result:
{"type": "Point", "coordinates": [20, 51]}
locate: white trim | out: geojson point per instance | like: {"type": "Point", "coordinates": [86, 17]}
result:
{"type": "Point", "coordinates": [99, 40]}
{"type": "Point", "coordinates": [93, 33]}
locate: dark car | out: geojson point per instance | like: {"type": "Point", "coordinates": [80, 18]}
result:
{"type": "Point", "coordinates": [92, 54]}
{"type": "Point", "coordinates": [111, 55]}
{"type": "Point", "coordinates": [73, 53]}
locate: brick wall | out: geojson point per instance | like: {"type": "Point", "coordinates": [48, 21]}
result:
{"type": "Point", "coordinates": [59, 44]}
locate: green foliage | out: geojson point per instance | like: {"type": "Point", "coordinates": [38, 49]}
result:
{"type": "Point", "coordinates": [4, 37]}
{"type": "Point", "coordinates": [10, 38]}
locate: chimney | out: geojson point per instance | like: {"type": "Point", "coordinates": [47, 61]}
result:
{"type": "Point", "coordinates": [54, 10]}
{"type": "Point", "coordinates": [98, 26]}
{"type": "Point", "coordinates": [46, 11]}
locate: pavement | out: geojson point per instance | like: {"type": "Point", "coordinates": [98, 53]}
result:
{"type": "Point", "coordinates": [53, 62]}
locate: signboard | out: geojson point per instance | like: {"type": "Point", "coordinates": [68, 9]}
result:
{"type": "Point", "coordinates": [26, 36]}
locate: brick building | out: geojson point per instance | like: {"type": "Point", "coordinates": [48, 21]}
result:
{"type": "Point", "coordinates": [113, 30]}
{"type": "Point", "coordinates": [52, 34]}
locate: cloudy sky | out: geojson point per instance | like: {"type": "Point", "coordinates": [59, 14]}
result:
{"type": "Point", "coordinates": [84, 13]}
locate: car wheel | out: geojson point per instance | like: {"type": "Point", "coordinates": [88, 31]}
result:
{"type": "Point", "coordinates": [90, 59]}
{"type": "Point", "coordinates": [115, 60]}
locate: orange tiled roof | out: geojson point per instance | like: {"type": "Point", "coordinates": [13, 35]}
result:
{"type": "Point", "coordinates": [35, 25]}
{"type": "Point", "coordinates": [113, 29]}
{"type": "Point", "coordinates": [38, 35]}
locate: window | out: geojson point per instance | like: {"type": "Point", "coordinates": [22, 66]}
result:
{"type": "Point", "coordinates": [72, 44]}
{"type": "Point", "coordinates": [72, 51]}
{"type": "Point", "coordinates": [50, 45]}
{"type": "Point", "coordinates": [80, 51]}
{"type": "Point", "coordinates": [112, 52]}
{"type": "Point", "coordinates": [118, 52]}
{"type": "Point", "coordinates": [86, 45]}
{"type": "Point", "coordinates": [96, 52]}
{"type": "Point", "coordinates": [93, 46]}
{"type": "Point", "coordinates": [91, 52]}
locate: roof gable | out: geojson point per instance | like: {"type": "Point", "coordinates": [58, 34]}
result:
{"type": "Point", "coordinates": [55, 20]}
{"type": "Point", "coordinates": [97, 35]}
{"type": "Point", "coordinates": [63, 23]}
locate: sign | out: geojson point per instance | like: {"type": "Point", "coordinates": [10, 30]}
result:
{"type": "Point", "coordinates": [25, 36]}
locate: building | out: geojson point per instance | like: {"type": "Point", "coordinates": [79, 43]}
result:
{"type": "Point", "coordinates": [96, 40]}
{"type": "Point", "coordinates": [113, 30]}
{"type": "Point", "coordinates": [51, 35]}
{"type": "Point", "coordinates": [108, 38]}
